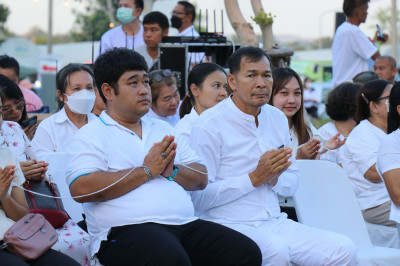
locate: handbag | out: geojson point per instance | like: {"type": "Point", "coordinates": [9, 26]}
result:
{"type": "Point", "coordinates": [51, 208]}
{"type": "Point", "coordinates": [30, 237]}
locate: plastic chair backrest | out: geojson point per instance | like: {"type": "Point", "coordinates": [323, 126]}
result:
{"type": "Point", "coordinates": [325, 199]}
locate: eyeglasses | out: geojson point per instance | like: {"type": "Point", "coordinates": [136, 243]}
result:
{"type": "Point", "coordinates": [381, 98]}
{"type": "Point", "coordinates": [159, 75]}
{"type": "Point", "coordinates": [179, 14]}
{"type": "Point", "coordinates": [8, 109]}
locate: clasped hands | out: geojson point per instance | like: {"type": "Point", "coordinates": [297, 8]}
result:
{"type": "Point", "coordinates": [270, 166]}
{"type": "Point", "coordinates": [160, 158]}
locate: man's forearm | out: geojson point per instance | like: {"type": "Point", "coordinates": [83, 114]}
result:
{"type": "Point", "coordinates": [191, 179]}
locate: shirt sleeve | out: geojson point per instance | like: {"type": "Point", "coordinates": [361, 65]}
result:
{"type": "Point", "coordinates": [217, 192]}
{"type": "Point", "coordinates": [364, 150]}
{"type": "Point", "coordinates": [388, 155]}
{"type": "Point", "coordinates": [43, 141]}
{"type": "Point", "coordinates": [361, 45]}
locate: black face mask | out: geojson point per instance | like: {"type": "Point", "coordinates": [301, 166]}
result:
{"type": "Point", "coordinates": [176, 22]}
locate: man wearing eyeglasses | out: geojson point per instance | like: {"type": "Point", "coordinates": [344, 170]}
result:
{"type": "Point", "coordinates": [130, 33]}
{"type": "Point", "coordinates": [132, 175]}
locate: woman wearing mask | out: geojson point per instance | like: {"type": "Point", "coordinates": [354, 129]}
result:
{"type": "Point", "coordinates": [359, 154]}
{"type": "Point", "coordinates": [75, 91]}
{"type": "Point", "coordinates": [207, 86]}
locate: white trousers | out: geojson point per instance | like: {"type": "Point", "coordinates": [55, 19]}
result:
{"type": "Point", "coordinates": [283, 241]}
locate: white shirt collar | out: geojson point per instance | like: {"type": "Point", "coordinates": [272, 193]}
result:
{"type": "Point", "coordinates": [109, 121]}
{"type": "Point", "coordinates": [239, 113]}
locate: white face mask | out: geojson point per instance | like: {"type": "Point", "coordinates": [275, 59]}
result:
{"type": "Point", "coordinates": [81, 102]}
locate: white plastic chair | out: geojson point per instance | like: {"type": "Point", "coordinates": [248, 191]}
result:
{"type": "Point", "coordinates": [325, 199]}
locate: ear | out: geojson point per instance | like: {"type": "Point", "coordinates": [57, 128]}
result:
{"type": "Point", "coordinates": [194, 89]}
{"type": "Point", "coordinates": [108, 92]}
{"type": "Point", "coordinates": [373, 107]}
{"type": "Point", "coordinates": [398, 109]}
{"type": "Point", "coordinates": [232, 82]}
{"type": "Point", "coordinates": [61, 96]}
{"type": "Point", "coordinates": [166, 32]}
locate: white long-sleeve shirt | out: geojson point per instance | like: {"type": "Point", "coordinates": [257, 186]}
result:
{"type": "Point", "coordinates": [185, 125]}
{"type": "Point", "coordinates": [230, 144]}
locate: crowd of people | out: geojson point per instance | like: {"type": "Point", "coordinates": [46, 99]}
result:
{"type": "Point", "coordinates": [200, 181]}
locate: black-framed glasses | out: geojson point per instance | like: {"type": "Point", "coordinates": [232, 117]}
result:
{"type": "Point", "coordinates": [159, 75]}
{"type": "Point", "coordinates": [8, 109]}
{"type": "Point", "coordinates": [382, 98]}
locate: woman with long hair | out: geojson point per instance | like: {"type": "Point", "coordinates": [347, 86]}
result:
{"type": "Point", "coordinates": [359, 154]}
{"type": "Point", "coordinates": [206, 87]}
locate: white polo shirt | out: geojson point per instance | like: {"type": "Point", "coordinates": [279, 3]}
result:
{"type": "Point", "coordinates": [327, 131]}
{"type": "Point", "coordinates": [389, 159]}
{"type": "Point", "coordinates": [184, 126]}
{"type": "Point", "coordinates": [351, 50]}
{"type": "Point", "coordinates": [357, 155]}
{"type": "Point", "coordinates": [116, 37]}
{"type": "Point", "coordinates": [172, 119]}
{"type": "Point", "coordinates": [105, 145]}
{"type": "Point", "coordinates": [54, 134]}
{"type": "Point", "coordinates": [231, 145]}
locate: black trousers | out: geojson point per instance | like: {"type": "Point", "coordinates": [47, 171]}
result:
{"type": "Point", "coordinates": [49, 258]}
{"type": "Point", "coordinates": [195, 243]}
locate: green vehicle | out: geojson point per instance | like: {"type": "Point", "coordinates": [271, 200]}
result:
{"type": "Point", "coordinates": [318, 71]}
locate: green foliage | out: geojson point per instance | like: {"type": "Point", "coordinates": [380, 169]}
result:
{"type": "Point", "coordinates": [93, 21]}
{"type": "Point", "coordinates": [4, 12]}
{"type": "Point", "coordinates": [262, 18]}
{"type": "Point", "coordinates": [383, 17]}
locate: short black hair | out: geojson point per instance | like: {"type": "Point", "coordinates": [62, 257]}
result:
{"type": "Point", "coordinates": [156, 17]}
{"type": "Point", "coordinates": [369, 92]}
{"type": "Point", "coordinates": [350, 5]}
{"type": "Point", "coordinates": [110, 66]}
{"type": "Point", "coordinates": [252, 54]}
{"type": "Point", "coordinates": [365, 76]}
{"type": "Point", "coordinates": [62, 78]}
{"type": "Point", "coordinates": [139, 4]}
{"type": "Point", "coordinates": [8, 62]}
{"type": "Point", "coordinates": [189, 9]}
{"type": "Point", "coordinates": [341, 101]}
{"type": "Point", "coordinates": [394, 101]}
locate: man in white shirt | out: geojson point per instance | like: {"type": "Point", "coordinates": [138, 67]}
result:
{"type": "Point", "coordinates": [386, 67]}
{"type": "Point", "coordinates": [139, 212]}
{"type": "Point", "coordinates": [351, 49]}
{"type": "Point", "coordinates": [183, 16]}
{"type": "Point", "coordinates": [130, 33]}
{"type": "Point", "coordinates": [246, 147]}
{"type": "Point", "coordinates": [155, 25]}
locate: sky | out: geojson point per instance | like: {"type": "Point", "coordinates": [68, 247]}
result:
{"type": "Point", "coordinates": [305, 19]}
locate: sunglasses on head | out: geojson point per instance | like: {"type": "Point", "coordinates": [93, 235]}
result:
{"type": "Point", "coordinates": [159, 75]}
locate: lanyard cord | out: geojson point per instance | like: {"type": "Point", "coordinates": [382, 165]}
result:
{"type": "Point", "coordinates": [101, 190]}
{"type": "Point", "coordinates": [126, 41]}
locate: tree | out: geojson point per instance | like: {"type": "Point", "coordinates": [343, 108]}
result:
{"type": "Point", "coordinates": [94, 21]}
{"type": "Point", "coordinates": [4, 12]}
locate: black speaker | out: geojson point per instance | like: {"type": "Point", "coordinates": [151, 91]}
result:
{"type": "Point", "coordinates": [339, 19]}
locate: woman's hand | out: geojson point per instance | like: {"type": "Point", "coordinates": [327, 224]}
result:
{"type": "Point", "coordinates": [30, 131]}
{"type": "Point", "coordinates": [334, 142]}
{"type": "Point", "coordinates": [6, 177]}
{"type": "Point", "coordinates": [308, 150]}
{"type": "Point", "coordinates": [33, 169]}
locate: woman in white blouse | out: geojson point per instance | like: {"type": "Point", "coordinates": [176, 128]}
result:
{"type": "Point", "coordinates": [359, 154]}
{"type": "Point", "coordinates": [287, 96]}
{"type": "Point", "coordinates": [388, 163]}
{"type": "Point", "coordinates": [207, 86]}
{"type": "Point", "coordinates": [75, 91]}
{"type": "Point", "coordinates": [341, 108]}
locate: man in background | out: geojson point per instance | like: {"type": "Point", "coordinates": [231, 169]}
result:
{"type": "Point", "coordinates": [385, 67]}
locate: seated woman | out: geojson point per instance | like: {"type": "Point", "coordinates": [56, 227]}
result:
{"type": "Point", "coordinates": [165, 97]}
{"type": "Point", "coordinates": [341, 108]}
{"type": "Point", "coordinates": [358, 155]}
{"type": "Point", "coordinates": [388, 164]}
{"type": "Point", "coordinates": [14, 107]}
{"type": "Point", "coordinates": [13, 206]}
{"type": "Point", "coordinates": [207, 86]}
{"type": "Point", "coordinates": [287, 96]}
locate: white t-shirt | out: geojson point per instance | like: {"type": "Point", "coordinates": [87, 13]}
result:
{"type": "Point", "coordinates": [327, 131]}
{"type": "Point", "coordinates": [172, 119]}
{"type": "Point", "coordinates": [7, 157]}
{"type": "Point", "coordinates": [194, 58]}
{"type": "Point", "coordinates": [184, 126]}
{"type": "Point", "coordinates": [389, 159]}
{"type": "Point", "coordinates": [55, 133]}
{"type": "Point", "coordinates": [105, 145]}
{"type": "Point", "coordinates": [308, 95]}
{"type": "Point", "coordinates": [116, 37]}
{"type": "Point", "coordinates": [357, 155]}
{"type": "Point", "coordinates": [142, 49]}
{"type": "Point", "coordinates": [351, 50]}
{"type": "Point", "coordinates": [231, 145]}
